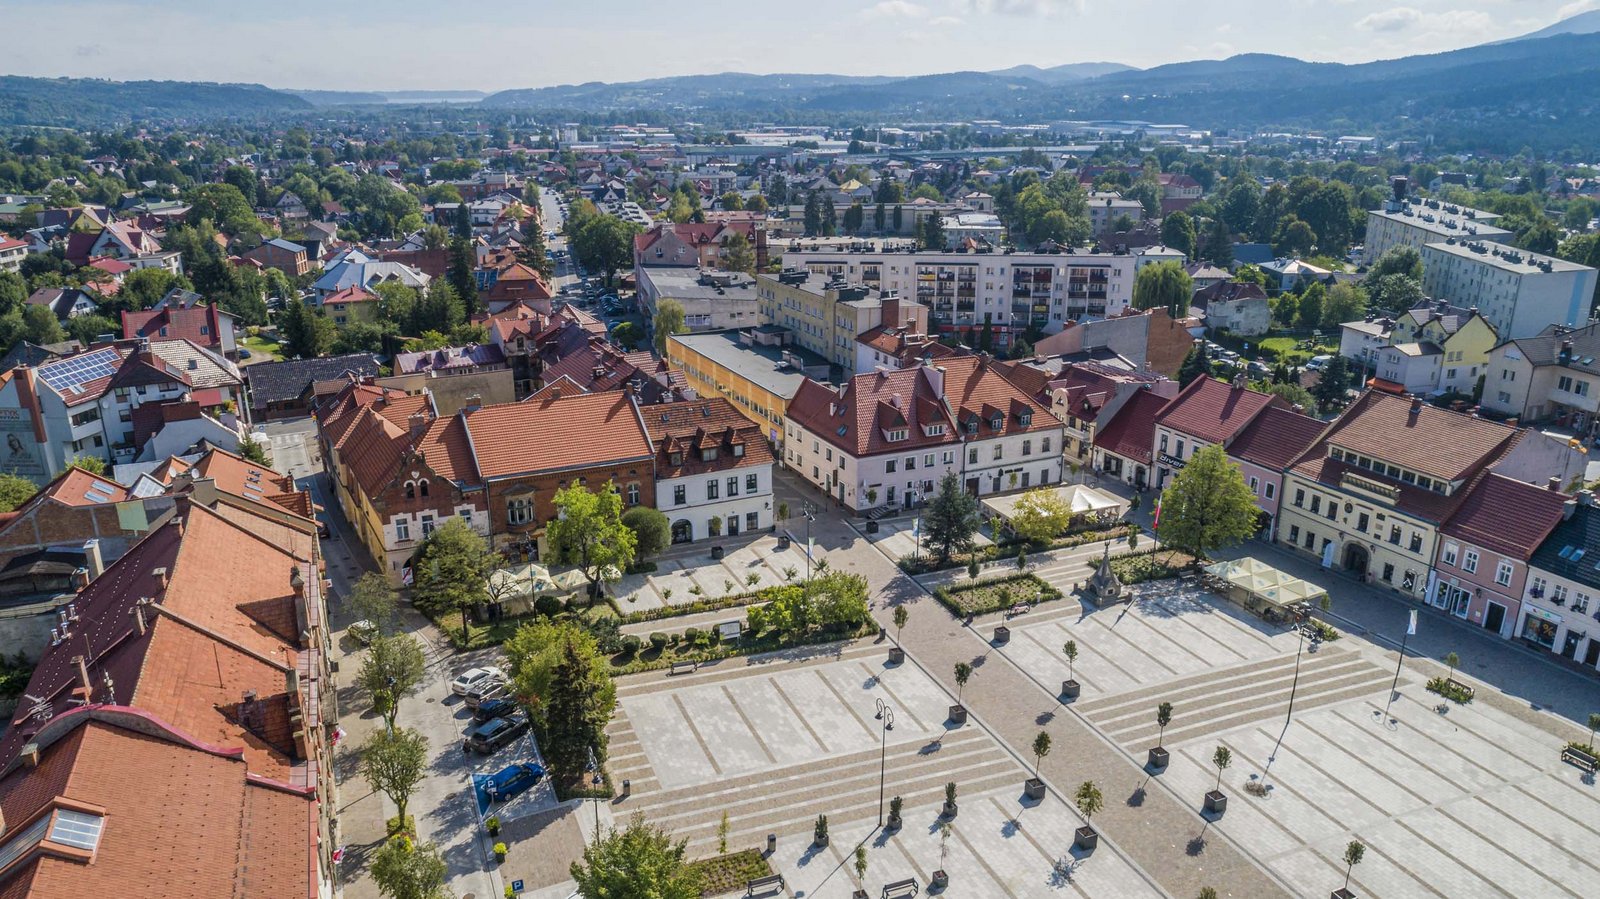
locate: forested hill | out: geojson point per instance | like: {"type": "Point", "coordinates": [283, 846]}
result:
{"type": "Point", "coordinates": [93, 102]}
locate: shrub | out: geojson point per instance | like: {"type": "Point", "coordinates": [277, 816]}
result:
{"type": "Point", "coordinates": [658, 641]}
{"type": "Point", "coordinates": [996, 593]}
{"type": "Point", "coordinates": [631, 645]}
{"type": "Point", "coordinates": [691, 636]}
{"type": "Point", "coordinates": [1451, 690]}
{"type": "Point", "coordinates": [549, 606]}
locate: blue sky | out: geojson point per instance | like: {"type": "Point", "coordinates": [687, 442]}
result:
{"type": "Point", "coordinates": [490, 44]}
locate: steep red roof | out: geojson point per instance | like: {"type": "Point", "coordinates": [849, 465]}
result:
{"type": "Point", "coordinates": [683, 429]}
{"type": "Point", "coordinates": [1276, 438]}
{"type": "Point", "coordinates": [552, 434]}
{"type": "Point", "coordinates": [199, 323]}
{"type": "Point", "coordinates": [355, 293]}
{"type": "Point", "coordinates": [1419, 436]}
{"type": "Point", "coordinates": [1214, 410]}
{"type": "Point", "coordinates": [1131, 433]}
{"type": "Point", "coordinates": [851, 419]}
{"type": "Point", "coordinates": [1506, 516]}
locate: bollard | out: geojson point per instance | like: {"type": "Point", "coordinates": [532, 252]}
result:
{"type": "Point", "coordinates": [772, 843]}
{"type": "Point", "coordinates": [627, 788]}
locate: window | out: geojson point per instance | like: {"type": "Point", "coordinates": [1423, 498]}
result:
{"type": "Point", "coordinates": [1316, 505]}
{"type": "Point", "coordinates": [1180, 448]}
{"type": "Point", "coordinates": [999, 452]}
{"type": "Point", "coordinates": [733, 486]}
{"type": "Point", "coordinates": [1163, 443]}
{"type": "Point", "coordinates": [1270, 490]}
{"type": "Point", "coordinates": [1502, 573]}
{"type": "Point", "coordinates": [680, 495]}
{"type": "Point", "coordinates": [1299, 498]}
{"type": "Point", "coordinates": [752, 483]}
{"type": "Point", "coordinates": [422, 487]}
{"type": "Point", "coordinates": [411, 490]}
{"type": "Point", "coordinates": [402, 529]}
{"type": "Point", "coordinates": [1362, 521]}
{"type": "Point", "coordinates": [1416, 543]}
{"type": "Point", "coordinates": [891, 466]}
{"type": "Point", "coordinates": [1388, 573]}
{"type": "Point", "coordinates": [911, 463]}
{"type": "Point", "coordinates": [519, 510]}
{"type": "Point", "coordinates": [1469, 562]}
{"type": "Point", "coordinates": [828, 455]}
{"type": "Point", "coordinates": [427, 526]}
{"type": "Point", "coordinates": [972, 456]}
{"type": "Point", "coordinates": [1333, 511]}
{"type": "Point", "coordinates": [712, 488]}
{"type": "Point", "coordinates": [1255, 485]}
{"type": "Point", "coordinates": [1294, 533]}
{"type": "Point", "coordinates": [76, 829]}
{"type": "Point", "coordinates": [1558, 594]}
{"type": "Point", "coordinates": [1450, 552]}
{"type": "Point", "coordinates": [1027, 447]}
{"type": "Point", "coordinates": [633, 494]}
{"type": "Point", "coordinates": [949, 457]}
{"type": "Point", "coordinates": [1044, 445]}
{"type": "Point", "coordinates": [1310, 539]}
{"type": "Point", "coordinates": [927, 460]}
{"type": "Point", "coordinates": [1394, 534]}
{"type": "Point", "coordinates": [1580, 602]}
{"type": "Point", "coordinates": [1536, 587]}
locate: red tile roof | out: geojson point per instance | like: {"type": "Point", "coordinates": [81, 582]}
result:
{"type": "Point", "coordinates": [1506, 516]}
{"type": "Point", "coordinates": [552, 434]}
{"type": "Point", "coordinates": [76, 487]}
{"type": "Point", "coordinates": [682, 429]}
{"type": "Point", "coordinates": [1425, 439]}
{"type": "Point", "coordinates": [1131, 433]}
{"type": "Point", "coordinates": [1276, 438]}
{"type": "Point", "coordinates": [1214, 411]}
{"type": "Point", "coordinates": [201, 324]}
{"type": "Point", "coordinates": [241, 477]}
{"type": "Point", "coordinates": [355, 293]}
{"type": "Point", "coordinates": [853, 420]}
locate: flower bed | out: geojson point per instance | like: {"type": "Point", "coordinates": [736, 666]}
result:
{"type": "Point", "coordinates": [1154, 565]}
{"type": "Point", "coordinates": [769, 641]}
{"type": "Point", "coordinates": [765, 594]}
{"type": "Point", "coordinates": [1008, 550]}
{"type": "Point", "coordinates": [728, 873]}
{"type": "Point", "coordinates": [1451, 690]}
{"type": "Point", "coordinates": [994, 594]}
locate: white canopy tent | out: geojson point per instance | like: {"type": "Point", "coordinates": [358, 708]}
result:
{"type": "Point", "coordinates": [1262, 588]}
{"type": "Point", "coordinates": [1083, 499]}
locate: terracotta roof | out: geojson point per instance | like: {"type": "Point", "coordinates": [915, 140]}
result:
{"type": "Point", "coordinates": [537, 436]}
{"type": "Point", "coordinates": [973, 387]}
{"type": "Point", "coordinates": [518, 282]}
{"type": "Point", "coordinates": [1131, 433]}
{"type": "Point", "coordinates": [681, 430]}
{"type": "Point", "coordinates": [1276, 438]}
{"type": "Point", "coordinates": [1214, 411]}
{"type": "Point", "coordinates": [241, 477]}
{"type": "Point", "coordinates": [200, 323]}
{"type": "Point", "coordinates": [448, 450]}
{"type": "Point", "coordinates": [850, 420]}
{"type": "Point", "coordinates": [77, 487]}
{"type": "Point", "coordinates": [1507, 516]}
{"type": "Point", "coordinates": [355, 293]}
{"type": "Point", "coordinates": [1420, 437]}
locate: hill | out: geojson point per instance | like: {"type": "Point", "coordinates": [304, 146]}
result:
{"type": "Point", "coordinates": [89, 102]}
{"type": "Point", "coordinates": [1063, 74]}
{"type": "Point", "coordinates": [1582, 23]}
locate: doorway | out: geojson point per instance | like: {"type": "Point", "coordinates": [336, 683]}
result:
{"type": "Point", "coordinates": [682, 532]}
{"type": "Point", "coordinates": [1494, 617]}
{"type": "Point", "coordinates": [1356, 558]}
{"type": "Point", "coordinates": [1569, 646]}
{"type": "Point", "coordinates": [1591, 655]}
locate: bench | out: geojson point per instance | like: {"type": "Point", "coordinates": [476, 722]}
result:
{"type": "Point", "coordinates": [1580, 759]}
{"type": "Point", "coordinates": [1016, 609]}
{"type": "Point", "coordinates": [688, 667]}
{"type": "Point", "coordinates": [901, 889]}
{"type": "Point", "coordinates": [769, 885]}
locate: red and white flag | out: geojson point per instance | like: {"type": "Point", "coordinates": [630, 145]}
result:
{"type": "Point", "coordinates": [1157, 522]}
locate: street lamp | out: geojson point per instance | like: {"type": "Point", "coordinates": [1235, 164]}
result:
{"type": "Point", "coordinates": [594, 768]}
{"type": "Point", "coordinates": [885, 715]}
{"type": "Point", "coordinates": [810, 517]}
{"type": "Point", "coordinates": [1294, 685]}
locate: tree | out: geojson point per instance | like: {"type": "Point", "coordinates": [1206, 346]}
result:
{"type": "Point", "coordinates": [1040, 515]}
{"type": "Point", "coordinates": [1293, 238]}
{"type": "Point", "coordinates": [1041, 748]}
{"type": "Point", "coordinates": [628, 335]}
{"type": "Point", "coordinates": [371, 599]}
{"type": "Point", "coordinates": [1454, 661]}
{"type": "Point", "coordinates": [1402, 260]}
{"type": "Point", "coordinates": [933, 235]}
{"type": "Point", "coordinates": [393, 762]}
{"type": "Point", "coordinates": [737, 256]}
{"type": "Point", "coordinates": [1088, 800]}
{"type": "Point", "coordinates": [604, 244]}
{"type": "Point", "coordinates": [254, 450]}
{"type": "Point", "coordinates": [588, 532]}
{"type": "Point", "coordinates": [1217, 245]}
{"type": "Point", "coordinates": [1070, 650]}
{"type": "Point", "coordinates": [463, 259]}
{"type": "Point", "coordinates": [651, 531]}
{"type": "Point", "coordinates": [902, 615]}
{"type": "Point", "coordinates": [442, 307]}
{"type": "Point", "coordinates": [14, 491]}
{"type": "Point", "coordinates": [1195, 364]}
{"type": "Point", "coordinates": [1163, 718]}
{"type": "Point", "coordinates": [577, 706]}
{"type": "Point", "coordinates": [1294, 394]}
{"type": "Point", "coordinates": [813, 214]}
{"type": "Point", "coordinates": [306, 334]}
{"type": "Point", "coordinates": [1395, 292]}
{"type": "Point", "coordinates": [404, 869]}
{"type": "Point", "coordinates": [1178, 232]}
{"type": "Point", "coordinates": [1208, 504]}
{"type": "Point", "coordinates": [1332, 383]}
{"type": "Point", "coordinates": [1344, 303]}
{"type": "Point", "coordinates": [854, 218]}
{"type": "Point", "coordinates": [963, 673]}
{"type": "Point", "coordinates": [91, 464]}
{"type": "Point", "coordinates": [85, 329]}
{"type": "Point", "coordinates": [1309, 314]}
{"type": "Point", "coordinates": [391, 671]}
{"type": "Point", "coordinates": [952, 519]}
{"type": "Point", "coordinates": [1222, 758]}
{"type": "Point", "coordinates": [669, 320]}
{"type": "Point", "coordinates": [1163, 285]}
{"type": "Point", "coordinates": [1594, 725]}
{"type": "Point", "coordinates": [638, 861]}
{"type": "Point", "coordinates": [39, 325]}
{"type": "Point", "coordinates": [453, 569]}
{"type": "Point", "coordinates": [1353, 854]}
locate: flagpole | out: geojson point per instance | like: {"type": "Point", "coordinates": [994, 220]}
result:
{"type": "Point", "coordinates": [1411, 628]}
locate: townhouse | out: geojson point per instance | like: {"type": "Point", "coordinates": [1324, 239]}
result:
{"type": "Point", "coordinates": [1265, 448]}
{"type": "Point", "coordinates": [1208, 411]}
{"type": "Point", "coordinates": [713, 469]}
{"type": "Point", "coordinates": [1482, 570]}
{"type": "Point", "coordinates": [182, 314]}
{"type": "Point", "coordinates": [1083, 396]}
{"type": "Point", "coordinates": [1123, 446]}
{"type": "Point", "coordinates": [827, 315]}
{"type": "Point", "coordinates": [1551, 378]}
{"type": "Point", "coordinates": [1559, 612]}
{"type": "Point", "coordinates": [1434, 348]}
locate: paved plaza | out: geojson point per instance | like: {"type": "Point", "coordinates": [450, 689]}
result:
{"type": "Point", "coordinates": [685, 574]}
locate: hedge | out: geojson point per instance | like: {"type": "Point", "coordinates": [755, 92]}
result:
{"type": "Point", "coordinates": [980, 597]}
{"type": "Point", "coordinates": [746, 646]}
{"type": "Point", "coordinates": [765, 594]}
{"type": "Point", "coordinates": [1135, 568]}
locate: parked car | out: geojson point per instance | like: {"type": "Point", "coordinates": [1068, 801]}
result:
{"type": "Point", "coordinates": [1258, 367]}
{"type": "Point", "coordinates": [244, 354]}
{"type": "Point", "coordinates": [490, 736]}
{"type": "Point", "coordinates": [512, 781]}
{"type": "Point", "coordinates": [489, 688]}
{"type": "Point", "coordinates": [470, 678]}
{"type": "Point", "coordinates": [1318, 363]}
{"type": "Point", "coordinates": [496, 707]}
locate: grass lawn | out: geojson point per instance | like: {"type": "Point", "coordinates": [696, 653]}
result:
{"type": "Point", "coordinates": [261, 350]}
{"type": "Point", "coordinates": [995, 593]}
{"type": "Point", "coordinates": [729, 873]}
{"type": "Point", "coordinates": [1284, 349]}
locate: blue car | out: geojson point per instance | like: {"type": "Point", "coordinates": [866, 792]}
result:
{"type": "Point", "coordinates": [512, 781]}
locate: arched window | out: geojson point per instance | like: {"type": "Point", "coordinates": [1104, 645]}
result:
{"type": "Point", "coordinates": [423, 486]}
{"type": "Point", "coordinates": [411, 490]}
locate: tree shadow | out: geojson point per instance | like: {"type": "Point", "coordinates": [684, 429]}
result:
{"type": "Point", "coordinates": [1136, 798]}
{"type": "Point", "coordinates": [1044, 718]}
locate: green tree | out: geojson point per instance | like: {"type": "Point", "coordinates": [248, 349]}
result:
{"type": "Point", "coordinates": [1178, 232]}
{"type": "Point", "coordinates": [306, 333]}
{"type": "Point", "coordinates": [1163, 285]}
{"type": "Point", "coordinates": [927, 192]}
{"type": "Point", "coordinates": [669, 320]}
{"type": "Point", "coordinates": [1088, 800]}
{"type": "Point", "coordinates": [1293, 238]}
{"type": "Point", "coordinates": [39, 325]}
{"type": "Point", "coordinates": [1040, 515]}
{"type": "Point", "coordinates": [1345, 303]}
{"type": "Point", "coordinates": [253, 450]}
{"type": "Point", "coordinates": [1207, 505]}
{"type": "Point", "coordinates": [453, 570]}
{"type": "Point", "coordinates": [604, 245]}
{"type": "Point", "coordinates": [391, 671]}
{"type": "Point", "coordinates": [1332, 383]}
{"type": "Point", "coordinates": [1294, 394]}
{"type": "Point", "coordinates": [637, 862]}
{"type": "Point", "coordinates": [393, 762]}
{"type": "Point", "coordinates": [1041, 748]}
{"type": "Point", "coordinates": [1195, 364]}
{"type": "Point", "coordinates": [628, 335]}
{"type": "Point", "coordinates": [813, 214]}
{"type": "Point", "coordinates": [1353, 854]}
{"type": "Point", "coordinates": [86, 329]}
{"type": "Point", "coordinates": [1217, 245]}
{"type": "Point", "coordinates": [91, 464]}
{"type": "Point", "coordinates": [651, 531]}
{"type": "Point", "coordinates": [854, 218]}
{"type": "Point", "coordinates": [1404, 260]}
{"type": "Point", "coordinates": [403, 869]}
{"type": "Point", "coordinates": [533, 653]}
{"type": "Point", "coordinates": [588, 532]}
{"type": "Point", "coordinates": [951, 520]}
{"type": "Point", "coordinates": [442, 308]}
{"type": "Point", "coordinates": [459, 274]}
{"type": "Point", "coordinates": [14, 491]}
{"type": "Point", "coordinates": [577, 707]}
{"type": "Point", "coordinates": [1310, 306]}
{"type": "Point", "coordinates": [933, 235]}
{"type": "Point", "coordinates": [1394, 292]}
{"type": "Point", "coordinates": [371, 599]}
{"type": "Point", "coordinates": [737, 255]}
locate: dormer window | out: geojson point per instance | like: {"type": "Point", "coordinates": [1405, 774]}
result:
{"type": "Point", "coordinates": [972, 426]}
{"type": "Point", "coordinates": [1025, 418]}
{"type": "Point", "coordinates": [709, 454]}
{"type": "Point", "coordinates": [897, 434]}
{"type": "Point", "coordinates": [996, 422]}
{"type": "Point", "coordinates": [676, 458]}
{"type": "Point", "coordinates": [738, 450]}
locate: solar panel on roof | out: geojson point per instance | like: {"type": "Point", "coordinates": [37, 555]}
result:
{"type": "Point", "coordinates": [97, 494]}
{"type": "Point", "coordinates": [71, 373]}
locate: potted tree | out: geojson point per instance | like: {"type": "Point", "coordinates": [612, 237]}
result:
{"type": "Point", "coordinates": [1069, 687]}
{"type": "Point", "coordinates": [972, 567]}
{"type": "Point", "coordinates": [958, 712]}
{"type": "Point", "coordinates": [819, 833]}
{"type": "Point", "coordinates": [949, 810]}
{"type": "Point", "coordinates": [1353, 854]}
{"type": "Point", "coordinates": [861, 871]}
{"type": "Point", "coordinates": [895, 805]}
{"type": "Point", "coordinates": [1158, 754]}
{"type": "Point", "coordinates": [941, 879]}
{"type": "Point", "coordinates": [492, 824]}
{"type": "Point", "coordinates": [1033, 787]}
{"type": "Point", "coordinates": [499, 852]}
{"type": "Point", "coordinates": [1216, 800]}
{"type": "Point", "coordinates": [1089, 801]}
{"type": "Point", "coordinates": [897, 655]}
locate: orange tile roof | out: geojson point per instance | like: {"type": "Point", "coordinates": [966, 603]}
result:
{"type": "Point", "coordinates": [551, 434]}
{"type": "Point", "coordinates": [1432, 441]}
{"type": "Point", "coordinates": [241, 477]}
{"type": "Point", "coordinates": [1214, 410]}
{"type": "Point", "coordinates": [448, 451]}
{"type": "Point", "coordinates": [77, 487]}
{"type": "Point", "coordinates": [687, 426]}
{"type": "Point", "coordinates": [1131, 432]}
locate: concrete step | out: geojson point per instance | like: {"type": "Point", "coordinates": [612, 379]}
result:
{"type": "Point", "coordinates": [1203, 684]}
{"type": "Point", "coordinates": [1227, 694]}
{"type": "Point", "coordinates": [739, 666]}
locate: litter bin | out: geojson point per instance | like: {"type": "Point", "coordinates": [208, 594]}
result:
{"type": "Point", "coordinates": [716, 552]}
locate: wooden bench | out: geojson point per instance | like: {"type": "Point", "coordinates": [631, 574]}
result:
{"type": "Point", "coordinates": [688, 667]}
{"type": "Point", "coordinates": [1580, 759]}
{"type": "Point", "coordinates": [901, 889]}
{"type": "Point", "coordinates": [769, 885]}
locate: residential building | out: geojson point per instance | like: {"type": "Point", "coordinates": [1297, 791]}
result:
{"type": "Point", "coordinates": [711, 300]}
{"type": "Point", "coordinates": [65, 302]}
{"type": "Point", "coordinates": [1559, 601]}
{"type": "Point", "coordinates": [353, 268]}
{"type": "Point", "coordinates": [1485, 549]}
{"type": "Point", "coordinates": [1517, 292]}
{"type": "Point", "coordinates": [972, 230]}
{"type": "Point", "coordinates": [456, 377]}
{"type": "Point", "coordinates": [1083, 396]}
{"type": "Point", "coordinates": [696, 245]}
{"type": "Point", "coordinates": [353, 304]}
{"type": "Point", "coordinates": [181, 314]}
{"type": "Point", "coordinates": [292, 387]}
{"type": "Point", "coordinates": [1123, 445]}
{"type": "Point", "coordinates": [1234, 307]}
{"type": "Point", "coordinates": [1414, 222]}
{"type": "Point", "coordinates": [825, 315]}
{"type": "Point", "coordinates": [285, 256]}
{"type": "Point", "coordinates": [754, 368]}
{"type": "Point", "coordinates": [1005, 293]}
{"type": "Point", "coordinates": [713, 468]}
{"type": "Point", "coordinates": [1292, 274]}
{"type": "Point", "coordinates": [1108, 208]}
{"type": "Point", "coordinates": [12, 252]}
{"type": "Point", "coordinates": [1548, 379]}
{"type": "Point", "coordinates": [1206, 412]}
{"type": "Point", "coordinates": [1265, 449]}
{"type": "Point", "coordinates": [895, 347]}
{"type": "Point", "coordinates": [1151, 340]}
{"type": "Point", "coordinates": [888, 437]}
{"type": "Point", "coordinates": [517, 284]}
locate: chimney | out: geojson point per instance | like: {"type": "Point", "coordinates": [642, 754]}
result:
{"type": "Point", "coordinates": [474, 402]}
{"type": "Point", "coordinates": [160, 576]}
{"type": "Point", "coordinates": [96, 562]}
{"type": "Point", "coordinates": [30, 755]}
{"type": "Point", "coordinates": [1586, 497]}
{"type": "Point", "coordinates": [298, 582]}
{"type": "Point", "coordinates": [1240, 382]}
{"type": "Point", "coordinates": [1416, 406]}
{"type": "Point", "coordinates": [1554, 484]}
{"type": "Point", "coordinates": [138, 614]}
{"type": "Point", "coordinates": [84, 684]}
{"type": "Point", "coordinates": [80, 578]}
{"type": "Point", "coordinates": [416, 423]}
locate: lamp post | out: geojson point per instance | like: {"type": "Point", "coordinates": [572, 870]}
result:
{"type": "Point", "coordinates": [810, 517]}
{"type": "Point", "coordinates": [594, 768]}
{"type": "Point", "coordinates": [885, 715]}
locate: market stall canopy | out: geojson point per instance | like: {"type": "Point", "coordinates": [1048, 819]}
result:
{"type": "Point", "coordinates": [1263, 585]}
{"type": "Point", "coordinates": [1083, 499]}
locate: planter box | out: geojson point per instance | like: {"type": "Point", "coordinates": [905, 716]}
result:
{"type": "Point", "coordinates": [948, 810]}
{"type": "Point", "coordinates": [1158, 757]}
{"type": "Point", "coordinates": [1216, 802]}
{"type": "Point", "coordinates": [820, 841]}
{"type": "Point", "coordinates": [1343, 893]}
{"type": "Point", "coordinates": [1069, 689]}
{"type": "Point", "coordinates": [897, 656]}
{"type": "Point", "coordinates": [716, 552]}
{"type": "Point", "coordinates": [1086, 838]}
{"type": "Point", "coordinates": [894, 823]}
{"type": "Point", "coordinates": [1033, 788]}
{"type": "Point", "coordinates": [940, 880]}
{"type": "Point", "coordinates": [872, 527]}
{"type": "Point", "coordinates": [1002, 635]}
{"type": "Point", "coordinates": [958, 714]}
{"type": "Point", "coordinates": [859, 894]}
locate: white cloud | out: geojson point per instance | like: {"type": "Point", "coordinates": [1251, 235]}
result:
{"type": "Point", "coordinates": [1397, 19]}
{"type": "Point", "coordinates": [1577, 6]}
{"type": "Point", "coordinates": [943, 21]}
{"type": "Point", "coordinates": [1024, 7]}
{"type": "Point", "coordinates": [894, 9]}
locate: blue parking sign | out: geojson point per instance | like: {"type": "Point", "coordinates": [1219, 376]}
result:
{"type": "Point", "coordinates": [516, 885]}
